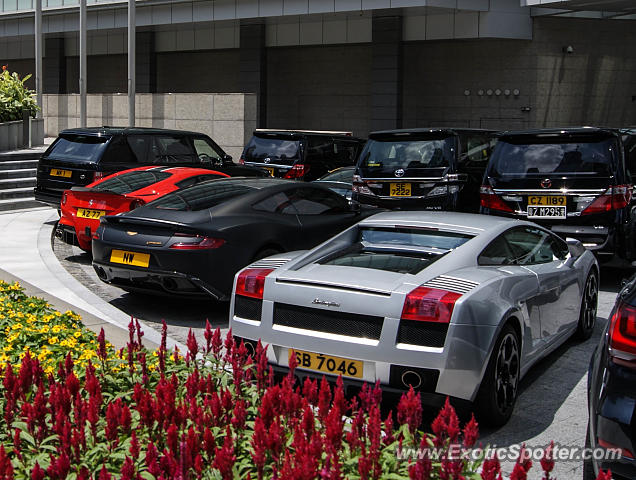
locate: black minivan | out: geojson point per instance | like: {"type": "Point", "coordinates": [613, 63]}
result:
{"type": "Point", "coordinates": [301, 154]}
{"type": "Point", "coordinates": [81, 156]}
{"type": "Point", "coordinates": [575, 181]}
{"type": "Point", "coordinates": [433, 168]}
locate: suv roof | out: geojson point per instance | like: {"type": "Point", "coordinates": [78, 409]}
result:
{"type": "Point", "coordinates": [559, 131]}
{"type": "Point", "coordinates": [106, 130]}
{"type": "Point", "coordinates": [302, 133]}
{"type": "Point", "coordinates": [406, 131]}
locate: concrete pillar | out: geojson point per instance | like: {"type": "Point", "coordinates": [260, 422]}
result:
{"type": "Point", "coordinates": [253, 67]}
{"type": "Point", "coordinates": [386, 73]}
{"type": "Point", "coordinates": [54, 66]}
{"type": "Point", "coordinates": [145, 63]}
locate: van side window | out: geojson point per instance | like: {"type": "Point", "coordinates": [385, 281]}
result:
{"type": "Point", "coordinates": [118, 151]}
{"type": "Point", "coordinates": [345, 152]}
{"type": "Point", "coordinates": [141, 147]}
{"type": "Point", "coordinates": [173, 150]}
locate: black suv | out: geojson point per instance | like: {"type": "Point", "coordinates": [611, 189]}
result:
{"type": "Point", "coordinates": [575, 181]}
{"type": "Point", "coordinates": [301, 154]}
{"type": "Point", "coordinates": [80, 156]}
{"type": "Point", "coordinates": [434, 168]}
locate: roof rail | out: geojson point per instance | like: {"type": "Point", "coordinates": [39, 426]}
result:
{"type": "Point", "coordinates": [324, 132]}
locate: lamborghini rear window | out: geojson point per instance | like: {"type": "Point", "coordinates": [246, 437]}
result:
{"type": "Point", "coordinates": [131, 181]}
{"type": "Point", "coordinates": [399, 262]}
{"type": "Point", "coordinates": [413, 237]}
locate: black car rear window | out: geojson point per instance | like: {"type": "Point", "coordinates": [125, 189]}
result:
{"type": "Point", "coordinates": [131, 181]}
{"type": "Point", "coordinates": [272, 147]}
{"type": "Point", "coordinates": [208, 194]}
{"type": "Point", "coordinates": [550, 156]}
{"type": "Point", "coordinates": [413, 237]}
{"type": "Point", "coordinates": [78, 148]}
{"type": "Point", "coordinates": [407, 152]}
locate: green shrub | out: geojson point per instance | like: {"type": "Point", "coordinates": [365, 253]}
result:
{"type": "Point", "coordinates": [15, 96]}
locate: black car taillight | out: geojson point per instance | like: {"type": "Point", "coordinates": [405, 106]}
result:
{"type": "Point", "coordinates": [622, 335]}
{"type": "Point", "coordinates": [297, 171]}
{"type": "Point", "coordinates": [429, 305]}
{"type": "Point", "coordinates": [251, 282]}
{"type": "Point", "coordinates": [614, 198]}
{"type": "Point", "coordinates": [360, 186]}
{"type": "Point", "coordinates": [489, 199]}
{"type": "Point", "coordinates": [196, 242]}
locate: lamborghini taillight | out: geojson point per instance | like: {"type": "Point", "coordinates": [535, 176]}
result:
{"type": "Point", "coordinates": [429, 305]}
{"type": "Point", "coordinates": [251, 282]}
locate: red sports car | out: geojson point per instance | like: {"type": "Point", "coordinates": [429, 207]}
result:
{"type": "Point", "coordinates": [82, 207]}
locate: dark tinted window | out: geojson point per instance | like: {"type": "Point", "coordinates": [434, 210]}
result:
{"type": "Point", "coordinates": [78, 148]}
{"type": "Point", "coordinates": [203, 195]}
{"type": "Point", "coordinates": [545, 156]}
{"type": "Point", "coordinates": [173, 150]}
{"type": "Point", "coordinates": [345, 152]}
{"type": "Point", "coordinates": [275, 148]}
{"type": "Point", "coordinates": [118, 151]}
{"type": "Point", "coordinates": [476, 149]}
{"type": "Point", "coordinates": [142, 147]}
{"type": "Point", "coordinates": [413, 237]}
{"type": "Point", "coordinates": [523, 246]}
{"type": "Point", "coordinates": [316, 201]}
{"type": "Point", "coordinates": [399, 262]}
{"type": "Point", "coordinates": [407, 152]}
{"type": "Point", "coordinates": [131, 181]}
{"type": "Point", "coordinates": [276, 203]}
{"type": "Point", "coordinates": [188, 182]}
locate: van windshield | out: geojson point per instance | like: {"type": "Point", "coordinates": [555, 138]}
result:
{"type": "Point", "coordinates": [544, 157]}
{"type": "Point", "coordinates": [406, 153]}
{"type": "Point", "coordinates": [78, 148]}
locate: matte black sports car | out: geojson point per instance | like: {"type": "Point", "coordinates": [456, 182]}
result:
{"type": "Point", "coordinates": [193, 241]}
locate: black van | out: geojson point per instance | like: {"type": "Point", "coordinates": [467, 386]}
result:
{"type": "Point", "coordinates": [80, 156]}
{"type": "Point", "coordinates": [433, 168]}
{"type": "Point", "coordinates": [301, 154]}
{"type": "Point", "coordinates": [574, 181]}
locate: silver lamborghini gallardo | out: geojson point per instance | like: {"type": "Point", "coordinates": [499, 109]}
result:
{"type": "Point", "coordinates": [451, 304]}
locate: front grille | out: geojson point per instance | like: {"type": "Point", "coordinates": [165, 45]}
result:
{"type": "Point", "coordinates": [339, 323]}
{"type": "Point", "coordinates": [425, 334]}
{"type": "Point", "coordinates": [402, 377]}
{"type": "Point", "coordinates": [248, 308]}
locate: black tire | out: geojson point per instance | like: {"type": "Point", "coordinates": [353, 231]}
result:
{"type": "Point", "coordinates": [265, 252]}
{"type": "Point", "coordinates": [499, 387]}
{"type": "Point", "coordinates": [589, 302]}
{"type": "Point", "coordinates": [588, 468]}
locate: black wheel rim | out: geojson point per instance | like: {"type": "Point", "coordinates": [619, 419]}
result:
{"type": "Point", "coordinates": [590, 298]}
{"type": "Point", "coordinates": [507, 373]}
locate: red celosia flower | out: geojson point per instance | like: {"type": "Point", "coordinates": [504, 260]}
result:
{"type": "Point", "coordinates": [421, 470]}
{"type": "Point", "coordinates": [151, 460]}
{"type": "Point", "coordinates": [207, 334]}
{"type": "Point", "coordinates": [324, 399]}
{"type": "Point", "coordinates": [388, 429]}
{"type": "Point", "coordinates": [193, 346]}
{"type": "Point", "coordinates": [224, 457]}
{"type": "Point", "coordinates": [128, 470]}
{"type": "Point", "coordinates": [446, 425]}
{"type": "Point", "coordinates": [604, 475]}
{"type": "Point", "coordinates": [259, 445]}
{"type": "Point", "coordinates": [490, 468]}
{"type": "Point", "coordinates": [409, 410]}
{"type": "Point", "coordinates": [103, 474]}
{"type": "Point", "coordinates": [134, 446]}
{"type": "Point", "coordinates": [310, 391]}
{"type": "Point", "coordinates": [37, 473]}
{"type": "Point", "coordinates": [547, 461]}
{"type": "Point", "coordinates": [101, 341]}
{"type": "Point", "coordinates": [520, 470]}
{"type": "Point", "coordinates": [6, 469]}
{"type": "Point", "coordinates": [471, 432]}
{"type": "Point", "coordinates": [217, 343]}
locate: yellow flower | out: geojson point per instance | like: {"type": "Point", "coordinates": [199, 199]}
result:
{"type": "Point", "coordinates": [77, 334]}
{"type": "Point", "coordinates": [56, 328]}
{"type": "Point", "coordinates": [16, 326]}
{"type": "Point", "coordinates": [53, 340]}
{"type": "Point", "coordinates": [44, 329]}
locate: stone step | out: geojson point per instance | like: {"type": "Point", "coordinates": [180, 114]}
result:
{"type": "Point", "coordinates": [25, 192]}
{"type": "Point", "coordinates": [9, 183]}
{"type": "Point", "coordinates": [20, 155]}
{"type": "Point", "coordinates": [18, 164]}
{"type": "Point", "coordinates": [19, 203]}
{"type": "Point", "coordinates": [22, 173]}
